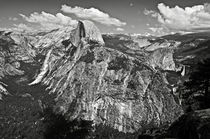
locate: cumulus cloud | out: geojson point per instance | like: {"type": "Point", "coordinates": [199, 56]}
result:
{"type": "Point", "coordinates": [19, 27]}
{"type": "Point", "coordinates": [195, 18]}
{"type": "Point", "coordinates": [22, 27]}
{"type": "Point", "coordinates": [43, 21]}
{"type": "Point", "coordinates": [119, 29]}
{"type": "Point", "coordinates": [49, 21]}
{"type": "Point", "coordinates": [92, 14]}
{"type": "Point", "coordinates": [151, 13]}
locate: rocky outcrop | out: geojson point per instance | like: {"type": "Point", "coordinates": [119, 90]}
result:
{"type": "Point", "coordinates": [162, 58]}
{"type": "Point", "coordinates": [112, 89]}
{"type": "Point", "coordinates": [109, 80]}
{"type": "Point", "coordinates": [44, 69]}
{"type": "Point", "coordinates": [157, 44]}
{"type": "Point", "coordinates": [85, 30]}
{"type": "Point", "coordinates": [3, 90]}
{"type": "Point", "coordinates": [15, 51]}
{"type": "Point", "coordinates": [108, 85]}
{"type": "Point", "coordinates": [92, 32]}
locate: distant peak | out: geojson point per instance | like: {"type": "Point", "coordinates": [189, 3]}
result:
{"type": "Point", "coordinates": [81, 29]}
{"type": "Point", "coordinates": [91, 31]}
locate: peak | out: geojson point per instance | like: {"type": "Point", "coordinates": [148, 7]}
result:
{"type": "Point", "coordinates": [84, 29]}
{"type": "Point", "coordinates": [91, 31]}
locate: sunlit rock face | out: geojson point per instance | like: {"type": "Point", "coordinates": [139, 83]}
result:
{"type": "Point", "coordinates": [128, 83]}
{"type": "Point", "coordinates": [108, 83]}
{"type": "Point", "coordinates": [110, 80]}
{"type": "Point", "coordinates": [92, 32]}
{"type": "Point", "coordinates": [14, 51]}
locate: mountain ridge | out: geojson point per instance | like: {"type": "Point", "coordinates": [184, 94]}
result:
{"type": "Point", "coordinates": [110, 79]}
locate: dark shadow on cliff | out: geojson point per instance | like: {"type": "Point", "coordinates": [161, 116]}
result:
{"type": "Point", "coordinates": [106, 132]}
{"type": "Point", "coordinates": [196, 91]}
{"type": "Point", "coordinates": [57, 127]}
{"type": "Point", "coordinates": [195, 123]}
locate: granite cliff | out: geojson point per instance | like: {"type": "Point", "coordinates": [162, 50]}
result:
{"type": "Point", "coordinates": [100, 82]}
{"type": "Point", "coordinates": [108, 79]}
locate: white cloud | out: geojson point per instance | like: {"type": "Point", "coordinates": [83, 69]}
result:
{"type": "Point", "coordinates": [44, 21]}
{"type": "Point", "coordinates": [13, 18]}
{"type": "Point", "coordinates": [151, 13]}
{"type": "Point", "coordinates": [22, 27]}
{"type": "Point", "coordinates": [131, 4]}
{"type": "Point", "coordinates": [19, 27]}
{"type": "Point", "coordinates": [159, 31]}
{"type": "Point", "coordinates": [153, 29]}
{"type": "Point", "coordinates": [195, 18]}
{"type": "Point", "coordinates": [119, 29]}
{"type": "Point", "coordinates": [93, 14]}
{"type": "Point", "coordinates": [48, 21]}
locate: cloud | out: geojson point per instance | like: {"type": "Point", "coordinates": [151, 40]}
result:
{"type": "Point", "coordinates": [131, 4]}
{"type": "Point", "coordinates": [153, 29]}
{"type": "Point", "coordinates": [119, 29]}
{"type": "Point", "coordinates": [195, 18]}
{"type": "Point", "coordinates": [43, 21]}
{"type": "Point", "coordinates": [13, 18]}
{"type": "Point", "coordinates": [151, 13]}
{"type": "Point", "coordinates": [22, 27]}
{"type": "Point", "coordinates": [47, 21]}
{"type": "Point", "coordinates": [93, 14]}
{"type": "Point", "coordinates": [133, 26]}
{"type": "Point", "coordinates": [19, 27]}
{"type": "Point", "coordinates": [159, 31]}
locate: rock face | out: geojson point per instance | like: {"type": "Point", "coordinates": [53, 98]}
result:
{"type": "Point", "coordinates": [108, 79]}
{"type": "Point", "coordinates": [92, 32]}
{"type": "Point", "coordinates": [15, 50]}
{"type": "Point", "coordinates": [99, 82]}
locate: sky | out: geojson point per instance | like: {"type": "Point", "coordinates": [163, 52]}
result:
{"type": "Point", "coordinates": [155, 17]}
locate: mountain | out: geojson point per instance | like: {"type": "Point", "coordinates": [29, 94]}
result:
{"type": "Point", "coordinates": [188, 36]}
{"type": "Point", "coordinates": [121, 83]}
